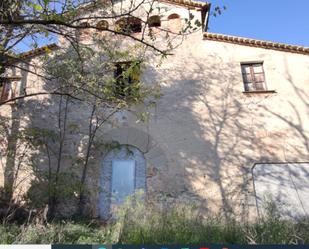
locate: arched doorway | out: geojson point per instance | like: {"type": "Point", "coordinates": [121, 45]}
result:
{"type": "Point", "coordinates": [123, 172]}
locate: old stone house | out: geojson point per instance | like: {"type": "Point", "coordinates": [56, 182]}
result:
{"type": "Point", "coordinates": [233, 117]}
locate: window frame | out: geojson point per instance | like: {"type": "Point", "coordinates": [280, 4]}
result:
{"type": "Point", "coordinates": [254, 82]}
{"type": "Point", "coordinates": [5, 92]}
{"type": "Point", "coordinates": [8, 88]}
{"type": "Point", "coordinates": [120, 82]}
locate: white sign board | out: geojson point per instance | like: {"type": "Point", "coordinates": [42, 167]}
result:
{"type": "Point", "coordinates": [287, 184]}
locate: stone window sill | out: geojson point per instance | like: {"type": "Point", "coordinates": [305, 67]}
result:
{"type": "Point", "coordinates": [259, 92]}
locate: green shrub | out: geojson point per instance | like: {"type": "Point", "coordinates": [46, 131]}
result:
{"type": "Point", "coordinates": [140, 224]}
{"type": "Point", "coordinates": [8, 233]}
{"type": "Point", "coordinates": [183, 224]}
{"type": "Point", "coordinates": [61, 232]}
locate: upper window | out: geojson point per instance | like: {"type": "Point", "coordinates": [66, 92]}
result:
{"type": "Point", "coordinates": [253, 77]}
{"type": "Point", "coordinates": [127, 78]}
{"type": "Point", "coordinates": [174, 23]}
{"type": "Point", "coordinates": [173, 16]}
{"type": "Point", "coordinates": [129, 25]}
{"type": "Point", "coordinates": [102, 25]}
{"type": "Point", "coordinates": [154, 21]}
{"type": "Point", "coordinates": [6, 91]}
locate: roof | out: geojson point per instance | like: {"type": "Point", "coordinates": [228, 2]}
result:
{"type": "Point", "coordinates": [38, 51]}
{"type": "Point", "coordinates": [257, 43]}
{"type": "Point", "coordinates": [13, 58]}
{"type": "Point", "coordinates": [187, 3]}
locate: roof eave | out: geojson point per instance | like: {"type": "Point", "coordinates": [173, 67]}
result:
{"type": "Point", "coordinates": [256, 43]}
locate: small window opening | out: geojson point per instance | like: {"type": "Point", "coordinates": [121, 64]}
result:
{"type": "Point", "coordinates": [173, 16]}
{"type": "Point", "coordinates": [129, 25]}
{"type": "Point", "coordinates": [154, 21]}
{"type": "Point", "coordinates": [102, 25]}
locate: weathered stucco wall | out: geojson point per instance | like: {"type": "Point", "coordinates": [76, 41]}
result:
{"type": "Point", "coordinates": [214, 132]}
{"type": "Point", "coordinates": [204, 134]}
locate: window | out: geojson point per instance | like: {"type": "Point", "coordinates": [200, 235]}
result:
{"type": "Point", "coordinates": [6, 91]}
{"type": "Point", "coordinates": [129, 25]}
{"type": "Point", "coordinates": [174, 23]}
{"type": "Point", "coordinates": [253, 77]}
{"type": "Point", "coordinates": [127, 78]}
{"type": "Point", "coordinates": [173, 16]}
{"type": "Point", "coordinates": [102, 25]}
{"type": "Point", "coordinates": [123, 178]}
{"type": "Point", "coordinates": [154, 21]}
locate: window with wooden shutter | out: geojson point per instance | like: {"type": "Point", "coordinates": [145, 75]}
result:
{"type": "Point", "coordinates": [253, 77]}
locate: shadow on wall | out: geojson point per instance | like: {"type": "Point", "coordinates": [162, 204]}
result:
{"type": "Point", "coordinates": [63, 155]}
{"type": "Point", "coordinates": [297, 118]}
{"type": "Point", "coordinates": [213, 133]}
{"type": "Point", "coordinates": [12, 151]}
{"type": "Point", "coordinates": [284, 186]}
{"type": "Point", "coordinates": [287, 183]}
{"type": "Point", "coordinates": [217, 134]}
{"type": "Point", "coordinates": [40, 153]}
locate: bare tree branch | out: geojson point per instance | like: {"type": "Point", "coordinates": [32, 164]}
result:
{"type": "Point", "coordinates": [37, 94]}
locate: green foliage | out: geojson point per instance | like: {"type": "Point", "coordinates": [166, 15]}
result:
{"type": "Point", "coordinates": [61, 232]}
{"type": "Point", "coordinates": [65, 185]}
{"type": "Point", "coordinates": [36, 7]}
{"type": "Point", "coordinates": [140, 224]}
{"type": "Point", "coordinates": [184, 224]}
{"type": "Point", "coordinates": [37, 136]}
{"type": "Point", "coordinates": [8, 233]}
{"type": "Point", "coordinates": [180, 224]}
{"type": "Point", "coordinates": [91, 75]}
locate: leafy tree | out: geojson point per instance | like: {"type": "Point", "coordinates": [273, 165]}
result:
{"type": "Point", "coordinates": [78, 71]}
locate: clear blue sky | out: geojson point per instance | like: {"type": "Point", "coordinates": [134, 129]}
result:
{"type": "Point", "coordinates": [275, 20]}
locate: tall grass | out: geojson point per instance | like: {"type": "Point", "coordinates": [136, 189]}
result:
{"type": "Point", "coordinates": [186, 225]}
{"type": "Point", "coordinates": [137, 223]}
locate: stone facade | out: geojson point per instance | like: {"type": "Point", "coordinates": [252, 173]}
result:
{"type": "Point", "coordinates": [205, 132]}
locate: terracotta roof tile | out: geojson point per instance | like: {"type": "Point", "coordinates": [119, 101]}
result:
{"type": "Point", "coordinates": [256, 43]}
{"type": "Point", "coordinates": [188, 3]}
{"type": "Point", "coordinates": [38, 51]}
